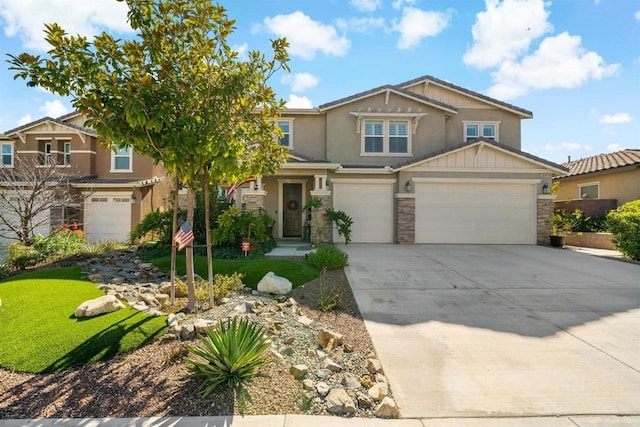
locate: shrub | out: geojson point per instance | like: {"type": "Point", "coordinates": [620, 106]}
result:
{"type": "Point", "coordinates": [624, 224]}
{"type": "Point", "coordinates": [156, 226]}
{"type": "Point", "coordinates": [235, 225]}
{"type": "Point", "coordinates": [20, 257]}
{"type": "Point", "coordinates": [343, 223]}
{"type": "Point", "coordinates": [232, 355]}
{"type": "Point", "coordinates": [328, 257]}
{"type": "Point", "coordinates": [64, 242]}
{"type": "Point", "coordinates": [223, 285]}
{"type": "Point", "coordinates": [217, 205]}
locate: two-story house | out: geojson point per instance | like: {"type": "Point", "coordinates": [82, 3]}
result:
{"type": "Point", "coordinates": [118, 187]}
{"type": "Point", "coordinates": [422, 161]}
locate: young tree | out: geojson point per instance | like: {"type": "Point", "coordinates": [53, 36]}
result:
{"type": "Point", "coordinates": [28, 192]}
{"type": "Point", "coordinates": [177, 92]}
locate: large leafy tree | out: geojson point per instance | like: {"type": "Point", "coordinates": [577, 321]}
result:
{"type": "Point", "coordinates": [176, 92]}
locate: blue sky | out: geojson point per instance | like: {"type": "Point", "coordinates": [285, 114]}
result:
{"type": "Point", "coordinates": [574, 63]}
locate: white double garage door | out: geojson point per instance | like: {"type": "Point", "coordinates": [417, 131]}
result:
{"type": "Point", "coordinates": [490, 211]}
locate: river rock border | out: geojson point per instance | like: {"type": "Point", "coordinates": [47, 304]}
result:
{"type": "Point", "coordinates": [335, 379]}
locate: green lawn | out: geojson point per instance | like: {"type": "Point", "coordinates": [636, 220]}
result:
{"type": "Point", "coordinates": [298, 272]}
{"type": "Point", "coordinates": [39, 332]}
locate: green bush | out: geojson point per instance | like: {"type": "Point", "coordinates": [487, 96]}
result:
{"type": "Point", "coordinates": [223, 285]}
{"type": "Point", "coordinates": [235, 225]}
{"type": "Point", "coordinates": [624, 224]}
{"type": "Point", "coordinates": [217, 205]}
{"type": "Point", "coordinates": [20, 257]}
{"type": "Point", "coordinates": [328, 257]}
{"type": "Point", "coordinates": [343, 223]}
{"type": "Point", "coordinates": [232, 355]}
{"type": "Point", "coordinates": [155, 225]}
{"type": "Point", "coordinates": [64, 242]}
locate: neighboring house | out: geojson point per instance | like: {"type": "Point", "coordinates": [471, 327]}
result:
{"type": "Point", "coordinates": [423, 161]}
{"type": "Point", "coordinates": [600, 183]}
{"type": "Point", "coordinates": [119, 187]}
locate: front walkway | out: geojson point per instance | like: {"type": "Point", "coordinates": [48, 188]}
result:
{"type": "Point", "coordinates": [290, 248]}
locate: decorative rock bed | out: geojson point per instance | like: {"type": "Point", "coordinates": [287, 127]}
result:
{"type": "Point", "coordinates": [336, 379]}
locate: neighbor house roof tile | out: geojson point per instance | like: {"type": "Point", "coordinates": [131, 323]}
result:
{"type": "Point", "coordinates": [603, 162]}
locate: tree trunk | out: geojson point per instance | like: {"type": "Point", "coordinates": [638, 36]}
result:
{"type": "Point", "coordinates": [174, 227]}
{"type": "Point", "coordinates": [191, 289]}
{"type": "Point", "coordinates": [207, 227]}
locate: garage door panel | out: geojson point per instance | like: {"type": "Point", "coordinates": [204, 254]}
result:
{"type": "Point", "coordinates": [107, 217]}
{"type": "Point", "coordinates": [371, 208]}
{"type": "Point", "coordinates": [474, 213]}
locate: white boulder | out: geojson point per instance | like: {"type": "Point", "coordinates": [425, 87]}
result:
{"type": "Point", "coordinates": [273, 284]}
{"type": "Point", "coordinates": [104, 304]}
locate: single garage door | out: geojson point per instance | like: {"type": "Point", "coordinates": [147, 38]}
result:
{"type": "Point", "coordinates": [107, 216]}
{"type": "Point", "coordinates": [482, 213]}
{"type": "Point", "coordinates": [370, 204]}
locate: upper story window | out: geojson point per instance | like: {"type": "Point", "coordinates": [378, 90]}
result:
{"type": "Point", "coordinates": [47, 153]}
{"type": "Point", "coordinates": [589, 191]}
{"type": "Point", "coordinates": [7, 154]}
{"type": "Point", "coordinates": [487, 130]}
{"type": "Point", "coordinates": [390, 137]}
{"type": "Point", "coordinates": [121, 159]}
{"type": "Point", "coordinates": [287, 138]}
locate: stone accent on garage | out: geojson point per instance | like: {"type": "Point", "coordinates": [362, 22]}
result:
{"type": "Point", "coordinates": [318, 219]}
{"type": "Point", "coordinates": [405, 218]}
{"type": "Point", "coordinates": [545, 218]}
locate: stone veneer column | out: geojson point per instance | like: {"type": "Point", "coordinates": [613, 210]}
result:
{"type": "Point", "coordinates": [405, 218]}
{"type": "Point", "coordinates": [254, 199]}
{"type": "Point", "coordinates": [327, 231]}
{"type": "Point", "coordinates": [545, 217]}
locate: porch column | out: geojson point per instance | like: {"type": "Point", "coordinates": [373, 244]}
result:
{"type": "Point", "coordinates": [318, 220]}
{"type": "Point", "coordinates": [405, 218]}
{"type": "Point", "coordinates": [545, 217]}
{"type": "Point", "coordinates": [254, 199]}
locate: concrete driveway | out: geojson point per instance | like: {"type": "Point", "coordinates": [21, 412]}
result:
{"type": "Point", "coordinates": [467, 330]}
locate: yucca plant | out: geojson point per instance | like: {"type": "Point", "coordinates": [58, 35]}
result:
{"type": "Point", "coordinates": [232, 355]}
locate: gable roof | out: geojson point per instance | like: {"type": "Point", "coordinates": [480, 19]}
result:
{"type": "Point", "coordinates": [390, 89]}
{"type": "Point", "coordinates": [50, 120]}
{"type": "Point", "coordinates": [477, 141]}
{"type": "Point", "coordinates": [603, 162]}
{"type": "Point", "coordinates": [506, 106]}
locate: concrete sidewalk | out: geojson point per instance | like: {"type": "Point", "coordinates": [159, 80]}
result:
{"type": "Point", "coordinates": [311, 421]}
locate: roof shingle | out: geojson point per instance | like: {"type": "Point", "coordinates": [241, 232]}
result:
{"type": "Point", "coordinates": [603, 162]}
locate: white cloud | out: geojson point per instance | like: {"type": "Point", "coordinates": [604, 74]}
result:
{"type": "Point", "coordinates": [54, 108]}
{"type": "Point", "coordinates": [360, 25]}
{"type": "Point", "coordinates": [300, 82]}
{"type": "Point", "coordinates": [25, 119]}
{"type": "Point", "coordinates": [505, 30]}
{"type": "Point", "coordinates": [614, 147]}
{"type": "Point", "coordinates": [26, 18]}
{"type": "Point", "coordinates": [399, 4]}
{"type": "Point", "coordinates": [242, 50]}
{"type": "Point", "coordinates": [568, 146]}
{"type": "Point", "coordinates": [299, 102]}
{"type": "Point", "coordinates": [616, 119]}
{"type": "Point", "coordinates": [417, 24]}
{"type": "Point", "coordinates": [306, 36]}
{"type": "Point", "coordinates": [560, 61]}
{"type": "Point", "coordinates": [366, 5]}
{"type": "Point", "coordinates": [638, 15]}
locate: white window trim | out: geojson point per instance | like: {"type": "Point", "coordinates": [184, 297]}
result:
{"type": "Point", "coordinates": [47, 155]}
{"type": "Point", "coordinates": [385, 138]}
{"type": "Point", "coordinates": [13, 155]}
{"type": "Point", "coordinates": [480, 123]}
{"type": "Point", "coordinates": [64, 154]}
{"type": "Point", "coordinates": [113, 162]}
{"type": "Point", "coordinates": [588, 184]}
{"type": "Point", "coordinates": [290, 120]}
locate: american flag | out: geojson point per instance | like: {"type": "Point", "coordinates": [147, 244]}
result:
{"type": "Point", "coordinates": [184, 236]}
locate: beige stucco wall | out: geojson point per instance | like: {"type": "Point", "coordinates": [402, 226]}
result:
{"type": "Point", "coordinates": [309, 134]}
{"type": "Point", "coordinates": [344, 141]}
{"type": "Point", "coordinates": [142, 166]}
{"type": "Point", "coordinates": [508, 129]}
{"type": "Point", "coordinates": [623, 186]}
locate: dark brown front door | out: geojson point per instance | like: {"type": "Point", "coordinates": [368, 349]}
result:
{"type": "Point", "coordinates": [292, 210]}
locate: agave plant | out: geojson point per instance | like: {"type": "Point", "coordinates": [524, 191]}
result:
{"type": "Point", "coordinates": [232, 355]}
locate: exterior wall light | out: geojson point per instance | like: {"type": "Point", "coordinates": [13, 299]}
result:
{"type": "Point", "coordinates": [408, 186]}
{"type": "Point", "coordinates": [546, 189]}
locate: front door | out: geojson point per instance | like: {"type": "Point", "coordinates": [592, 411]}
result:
{"type": "Point", "coordinates": [292, 210]}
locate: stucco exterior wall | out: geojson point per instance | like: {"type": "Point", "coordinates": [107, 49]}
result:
{"type": "Point", "coordinates": [509, 132]}
{"type": "Point", "coordinates": [344, 139]}
{"type": "Point", "coordinates": [623, 186]}
{"type": "Point", "coordinates": [142, 166]}
{"type": "Point", "coordinates": [309, 134]}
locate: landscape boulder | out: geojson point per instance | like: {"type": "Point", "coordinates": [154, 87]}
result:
{"type": "Point", "coordinates": [273, 284]}
{"type": "Point", "coordinates": [104, 304]}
